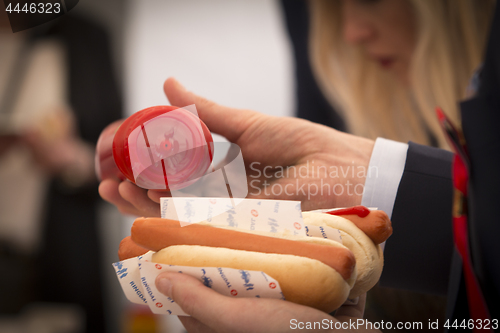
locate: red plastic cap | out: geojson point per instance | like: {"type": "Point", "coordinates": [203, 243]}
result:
{"type": "Point", "coordinates": [163, 147]}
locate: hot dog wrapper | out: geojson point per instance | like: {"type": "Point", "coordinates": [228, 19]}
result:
{"type": "Point", "coordinates": [137, 275]}
{"type": "Point", "coordinates": [137, 278]}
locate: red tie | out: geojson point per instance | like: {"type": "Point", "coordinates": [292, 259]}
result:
{"type": "Point", "coordinates": [478, 309]}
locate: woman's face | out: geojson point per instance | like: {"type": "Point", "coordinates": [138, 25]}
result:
{"type": "Point", "coordinates": [384, 29]}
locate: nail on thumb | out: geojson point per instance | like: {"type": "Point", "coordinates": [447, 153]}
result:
{"type": "Point", "coordinates": [164, 286]}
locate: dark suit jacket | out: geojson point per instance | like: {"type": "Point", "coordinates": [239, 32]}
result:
{"type": "Point", "coordinates": [420, 255]}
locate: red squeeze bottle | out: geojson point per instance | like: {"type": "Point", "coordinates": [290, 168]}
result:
{"type": "Point", "coordinates": [161, 147]}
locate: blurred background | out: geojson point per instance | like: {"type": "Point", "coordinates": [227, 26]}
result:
{"type": "Point", "coordinates": [60, 84]}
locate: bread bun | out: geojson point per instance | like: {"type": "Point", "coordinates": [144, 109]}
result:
{"type": "Point", "coordinates": [369, 256]}
{"type": "Point", "coordinates": [302, 280]}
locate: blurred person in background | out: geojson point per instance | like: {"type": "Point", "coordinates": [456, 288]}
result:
{"type": "Point", "coordinates": [57, 92]}
{"type": "Point", "coordinates": [383, 81]}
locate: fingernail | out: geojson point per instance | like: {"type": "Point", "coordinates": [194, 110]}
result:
{"type": "Point", "coordinates": [164, 286]}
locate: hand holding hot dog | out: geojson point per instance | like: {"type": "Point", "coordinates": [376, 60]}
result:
{"type": "Point", "coordinates": [268, 144]}
{"type": "Point", "coordinates": [237, 315]}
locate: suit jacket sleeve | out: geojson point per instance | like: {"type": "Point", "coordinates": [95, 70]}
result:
{"type": "Point", "coordinates": [418, 254]}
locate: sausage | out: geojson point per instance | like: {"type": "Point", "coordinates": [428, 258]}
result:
{"type": "Point", "coordinates": [374, 223]}
{"type": "Point", "coordinates": [151, 234]}
{"type": "Point", "coordinates": [129, 249]}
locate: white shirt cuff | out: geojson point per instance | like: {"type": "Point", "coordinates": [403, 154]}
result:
{"type": "Point", "coordinates": [384, 174]}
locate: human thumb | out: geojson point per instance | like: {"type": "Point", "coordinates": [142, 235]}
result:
{"type": "Point", "coordinates": [223, 120]}
{"type": "Point", "coordinates": [191, 295]}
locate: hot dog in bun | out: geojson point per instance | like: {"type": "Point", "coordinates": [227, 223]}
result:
{"type": "Point", "coordinates": [312, 271]}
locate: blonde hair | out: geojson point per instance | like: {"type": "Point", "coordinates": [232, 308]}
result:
{"type": "Point", "coordinates": [451, 35]}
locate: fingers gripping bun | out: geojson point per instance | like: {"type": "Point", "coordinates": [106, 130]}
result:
{"type": "Point", "coordinates": [302, 280]}
{"type": "Point", "coordinates": [369, 256]}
